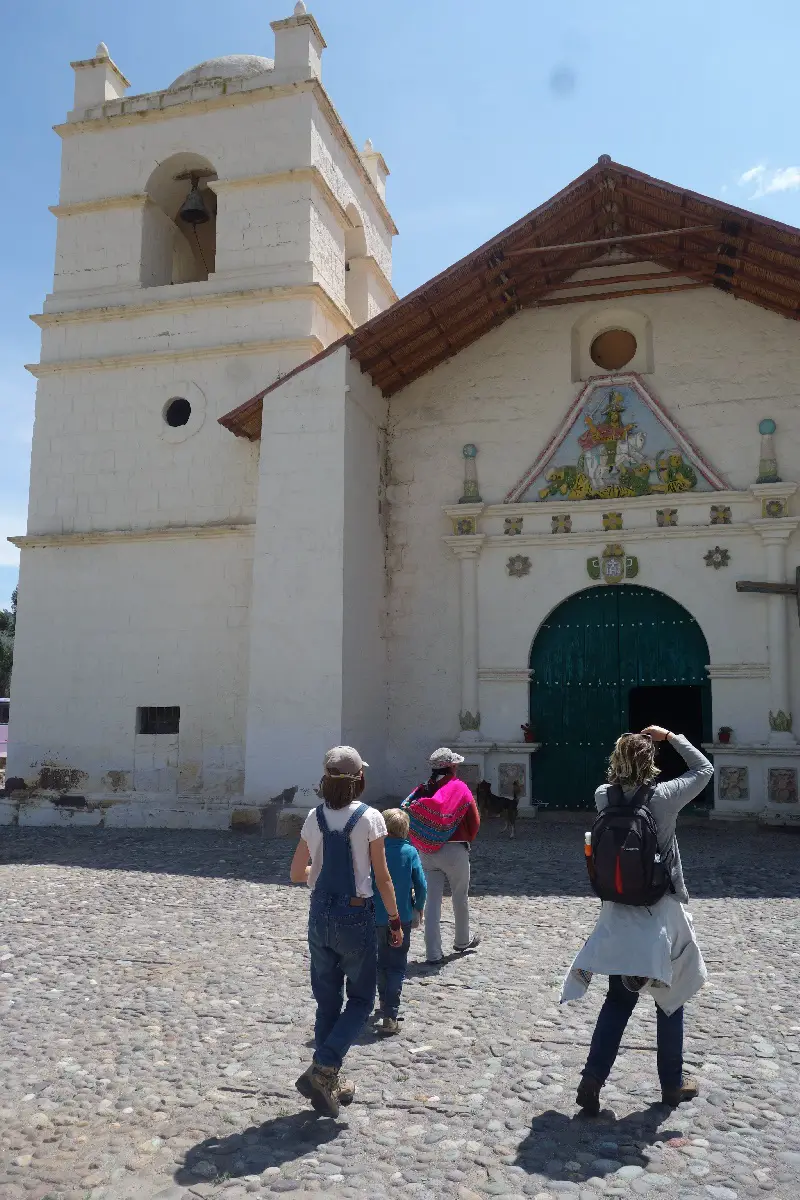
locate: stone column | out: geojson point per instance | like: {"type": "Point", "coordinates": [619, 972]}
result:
{"type": "Point", "coordinates": [467, 549]}
{"type": "Point", "coordinates": [775, 536]}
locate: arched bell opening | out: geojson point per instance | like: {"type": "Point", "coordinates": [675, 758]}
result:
{"type": "Point", "coordinates": [179, 231]}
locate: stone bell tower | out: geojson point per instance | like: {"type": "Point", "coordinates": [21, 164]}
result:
{"type": "Point", "coordinates": [211, 237]}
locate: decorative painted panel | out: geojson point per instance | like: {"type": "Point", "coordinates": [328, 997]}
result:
{"type": "Point", "coordinates": [617, 441]}
{"type": "Point", "coordinates": [718, 557]}
{"type": "Point", "coordinates": [518, 566]}
{"type": "Point", "coordinates": [720, 514]}
{"type": "Point", "coordinates": [774, 507]}
{"type": "Point", "coordinates": [734, 783]}
{"type": "Point", "coordinates": [507, 775]}
{"type": "Point", "coordinates": [782, 785]}
{"type": "Point", "coordinates": [666, 516]}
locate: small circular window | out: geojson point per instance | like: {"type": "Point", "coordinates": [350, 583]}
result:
{"type": "Point", "coordinates": [177, 412]}
{"type": "Point", "coordinates": [613, 349]}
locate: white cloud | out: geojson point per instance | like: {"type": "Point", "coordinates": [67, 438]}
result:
{"type": "Point", "coordinates": [781, 179]}
{"type": "Point", "coordinates": [749, 176]}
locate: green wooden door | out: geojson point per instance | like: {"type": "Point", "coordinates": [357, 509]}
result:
{"type": "Point", "coordinates": [588, 656]}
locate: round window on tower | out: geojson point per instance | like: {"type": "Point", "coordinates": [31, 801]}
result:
{"type": "Point", "coordinates": [177, 412]}
{"type": "Point", "coordinates": [613, 349]}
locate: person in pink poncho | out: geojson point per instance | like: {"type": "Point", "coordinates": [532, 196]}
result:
{"type": "Point", "coordinates": [444, 822]}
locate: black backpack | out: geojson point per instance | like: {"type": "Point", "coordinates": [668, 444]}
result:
{"type": "Point", "coordinates": [626, 865]}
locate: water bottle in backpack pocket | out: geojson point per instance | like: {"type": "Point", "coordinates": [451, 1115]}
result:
{"type": "Point", "coordinates": [626, 865]}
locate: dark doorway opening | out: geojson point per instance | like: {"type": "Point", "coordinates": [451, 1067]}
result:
{"type": "Point", "coordinates": [679, 709]}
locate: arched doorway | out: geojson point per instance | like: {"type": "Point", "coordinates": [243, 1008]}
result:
{"type": "Point", "coordinates": [608, 660]}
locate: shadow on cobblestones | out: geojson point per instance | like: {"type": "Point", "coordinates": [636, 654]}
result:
{"type": "Point", "coordinates": [281, 1140]}
{"type": "Point", "coordinates": [544, 860]}
{"type": "Point", "coordinates": [579, 1148]}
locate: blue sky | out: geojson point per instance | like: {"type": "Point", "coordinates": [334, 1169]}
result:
{"type": "Point", "coordinates": [482, 110]}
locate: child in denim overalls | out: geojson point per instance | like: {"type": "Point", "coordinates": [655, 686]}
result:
{"type": "Point", "coordinates": [344, 841]}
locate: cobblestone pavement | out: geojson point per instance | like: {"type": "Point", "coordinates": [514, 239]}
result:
{"type": "Point", "coordinates": [156, 1011]}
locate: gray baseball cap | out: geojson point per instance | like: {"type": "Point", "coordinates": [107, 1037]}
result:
{"type": "Point", "coordinates": [344, 762]}
{"type": "Point", "coordinates": [443, 757]}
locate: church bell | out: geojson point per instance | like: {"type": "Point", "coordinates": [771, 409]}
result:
{"type": "Point", "coordinates": [193, 210]}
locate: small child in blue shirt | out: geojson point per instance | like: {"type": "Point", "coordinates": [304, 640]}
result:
{"type": "Point", "coordinates": [408, 877]}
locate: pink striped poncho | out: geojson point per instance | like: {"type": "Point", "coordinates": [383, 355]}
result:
{"type": "Point", "coordinates": [434, 819]}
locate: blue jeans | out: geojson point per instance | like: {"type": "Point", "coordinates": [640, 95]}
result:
{"type": "Point", "coordinates": [341, 940]}
{"type": "Point", "coordinates": [614, 1015]}
{"type": "Point", "coordinates": [391, 969]}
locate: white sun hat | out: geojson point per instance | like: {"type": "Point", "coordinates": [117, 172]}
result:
{"type": "Point", "coordinates": [444, 757]}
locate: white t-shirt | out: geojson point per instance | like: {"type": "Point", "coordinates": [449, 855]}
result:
{"type": "Point", "coordinates": [368, 828]}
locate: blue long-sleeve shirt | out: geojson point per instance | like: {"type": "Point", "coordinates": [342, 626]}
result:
{"type": "Point", "coordinates": [408, 877]}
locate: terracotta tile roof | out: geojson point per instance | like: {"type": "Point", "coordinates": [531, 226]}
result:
{"type": "Point", "coordinates": [694, 239]}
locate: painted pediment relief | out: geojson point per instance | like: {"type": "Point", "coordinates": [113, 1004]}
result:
{"type": "Point", "coordinates": [616, 441]}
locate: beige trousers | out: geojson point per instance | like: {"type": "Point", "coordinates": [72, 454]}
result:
{"type": "Point", "coordinates": [451, 863]}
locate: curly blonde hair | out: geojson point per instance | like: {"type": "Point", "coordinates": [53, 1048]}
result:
{"type": "Point", "coordinates": [633, 760]}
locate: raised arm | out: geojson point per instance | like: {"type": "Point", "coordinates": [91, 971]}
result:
{"type": "Point", "coordinates": [675, 794]}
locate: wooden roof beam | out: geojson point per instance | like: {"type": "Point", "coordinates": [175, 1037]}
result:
{"type": "Point", "coordinates": [734, 218]}
{"type": "Point", "coordinates": [612, 241]}
{"type": "Point", "coordinates": [675, 287]}
{"type": "Point", "coordinates": [744, 279]}
{"type": "Point", "coordinates": [373, 351]}
{"type": "Point", "coordinates": [607, 280]}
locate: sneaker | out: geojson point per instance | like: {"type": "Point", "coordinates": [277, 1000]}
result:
{"type": "Point", "coordinates": [320, 1085]}
{"type": "Point", "coordinates": [679, 1095]}
{"type": "Point", "coordinates": [434, 962]}
{"type": "Point", "coordinates": [588, 1097]}
{"type": "Point", "coordinates": [387, 1026]}
{"type": "Point", "coordinates": [473, 945]}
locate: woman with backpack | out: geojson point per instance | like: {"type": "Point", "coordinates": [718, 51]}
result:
{"type": "Point", "coordinates": [444, 821]}
{"type": "Point", "coordinates": [644, 938]}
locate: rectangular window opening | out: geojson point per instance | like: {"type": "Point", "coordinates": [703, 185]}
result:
{"type": "Point", "coordinates": [158, 720]}
{"type": "Point", "coordinates": [4, 707]}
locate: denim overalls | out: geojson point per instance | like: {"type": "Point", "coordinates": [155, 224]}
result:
{"type": "Point", "coordinates": [342, 943]}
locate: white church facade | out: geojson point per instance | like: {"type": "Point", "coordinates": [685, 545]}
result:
{"type": "Point", "coordinates": [548, 497]}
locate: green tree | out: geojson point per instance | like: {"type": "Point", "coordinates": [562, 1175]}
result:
{"type": "Point", "coordinates": [8, 624]}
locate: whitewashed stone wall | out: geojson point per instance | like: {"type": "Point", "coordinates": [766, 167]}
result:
{"type": "Point", "coordinates": [720, 366]}
{"type": "Point", "coordinates": [316, 650]}
{"type": "Point", "coordinates": [107, 628]}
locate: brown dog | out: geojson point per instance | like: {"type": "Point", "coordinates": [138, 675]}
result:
{"type": "Point", "coordinates": [490, 805]}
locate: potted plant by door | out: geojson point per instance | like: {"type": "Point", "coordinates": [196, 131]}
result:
{"type": "Point", "coordinates": [527, 733]}
{"type": "Point", "coordinates": [724, 734]}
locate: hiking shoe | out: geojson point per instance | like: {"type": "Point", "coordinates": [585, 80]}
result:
{"type": "Point", "coordinates": [320, 1085]}
{"type": "Point", "coordinates": [679, 1095]}
{"type": "Point", "coordinates": [303, 1084]}
{"type": "Point", "coordinates": [347, 1090]}
{"type": "Point", "coordinates": [387, 1026]}
{"type": "Point", "coordinates": [588, 1097]}
{"type": "Point", "coordinates": [472, 945]}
